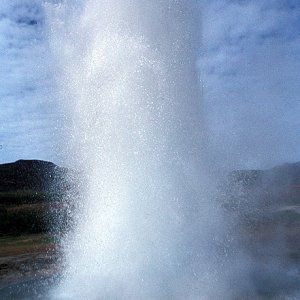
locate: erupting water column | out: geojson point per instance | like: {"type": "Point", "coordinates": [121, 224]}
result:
{"type": "Point", "coordinates": [128, 80]}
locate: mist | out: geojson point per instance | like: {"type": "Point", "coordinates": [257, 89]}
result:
{"type": "Point", "coordinates": [148, 227]}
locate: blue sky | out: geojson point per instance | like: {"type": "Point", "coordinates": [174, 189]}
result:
{"type": "Point", "coordinates": [249, 63]}
{"type": "Point", "coordinates": [26, 114]}
{"type": "Point", "coordinates": [250, 71]}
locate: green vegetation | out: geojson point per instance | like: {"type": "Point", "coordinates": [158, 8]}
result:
{"type": "Point", "coordinates": [24, 212]}
{"type": "Point", "coordinates": [20, 221]}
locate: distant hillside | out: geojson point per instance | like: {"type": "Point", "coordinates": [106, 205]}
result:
{"type": "Point", "coordinates": [286, 175]}
{"type": "Point", "coordinates": [34, 195]}
{"type": "Point", "coordinates": [34, 175]}
{"type": "Point", "coordinates": [255, 192]}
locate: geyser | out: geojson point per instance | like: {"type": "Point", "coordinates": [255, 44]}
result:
{"type": "Point", "coordinates": [127, 79]}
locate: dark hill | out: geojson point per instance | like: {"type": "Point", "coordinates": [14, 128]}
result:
{"type": "Point", "coordinates": [283, 175]}
{"type": "Point", "coordinates": [256, 193]}
{"type": "Point", "coordinates": [35, 194]}
{"type": "Point", "coordinates": [277, 181]}
{"type": "Point", "coordinates": [33, 175]}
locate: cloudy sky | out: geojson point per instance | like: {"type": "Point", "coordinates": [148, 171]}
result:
{"type": "Point", "coordinates": [249, 63]}
{"type": "Point", "coordinates": [250, 67]}
{"type": "Point", "coordinates": [26, 117]}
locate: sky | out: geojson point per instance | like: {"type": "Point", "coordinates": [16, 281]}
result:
{"type": "Point", "coordinates": [26, 114]}
{"type": "Point", "coordinates": [249, 62]}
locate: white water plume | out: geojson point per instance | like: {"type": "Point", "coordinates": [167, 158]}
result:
{"type": "Point", "coordinates": [127, 78]}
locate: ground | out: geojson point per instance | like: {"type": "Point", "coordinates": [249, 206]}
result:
{"type": "Point", "coordinates": [25, 257]}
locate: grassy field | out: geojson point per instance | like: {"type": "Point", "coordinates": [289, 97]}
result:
{"type": "Point", "coordinates": [27, 249]}
{"type": "Point", "coordinates": [30, 212]}
{"type": "Point", "coordinates": [30, 243]}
